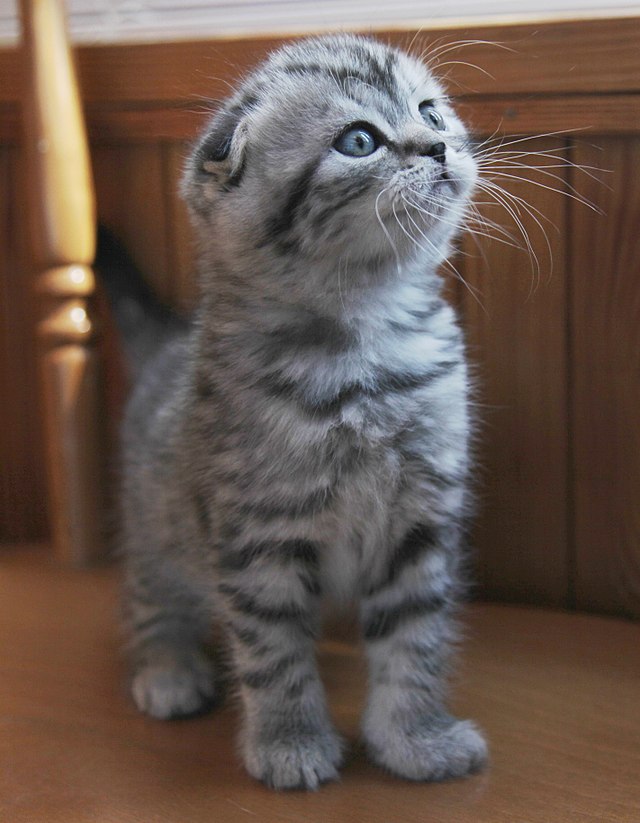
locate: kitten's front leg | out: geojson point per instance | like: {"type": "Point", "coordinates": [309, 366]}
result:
{"type": "Point", "coordinates": [408, 626]}
{"type": "Point", "coordinates": [271, 594]}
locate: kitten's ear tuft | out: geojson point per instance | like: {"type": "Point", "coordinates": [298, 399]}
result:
{"type": "Point", "coordinates": [223, 143]}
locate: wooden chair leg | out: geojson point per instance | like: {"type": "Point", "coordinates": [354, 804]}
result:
{"type": "Point", "coordinates": [63, 234]}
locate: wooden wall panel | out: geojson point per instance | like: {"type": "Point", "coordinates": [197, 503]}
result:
{"type": "Point", "coordinates": [137, 193]}
{"type": "Point", "coordinates": [559, 57]}
{"type": "Point", "coordinates": [516, 336]}
{"type": "Point", "coordinates": [22, 496]}
{"type": "Point", "coordinates": [132, 201]}
{"type": "Point", "coordinates": [605, 272]}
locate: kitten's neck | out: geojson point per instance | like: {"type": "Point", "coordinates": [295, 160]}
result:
{"type": "Point", "coordinates": [354, 296]}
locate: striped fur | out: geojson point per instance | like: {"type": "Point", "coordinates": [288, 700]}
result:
{"type": "Point", "coordinates": [307, 436]}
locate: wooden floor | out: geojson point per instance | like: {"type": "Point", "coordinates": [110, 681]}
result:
{"type": "Point", "coordinates": [558, 695]}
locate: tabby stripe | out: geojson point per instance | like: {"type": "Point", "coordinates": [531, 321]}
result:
{"type": "Point", "coordinates": [315, 332]}
{"type": "Point", "coordinates": [294, 690]}
{"type": "Point", "coordinates": [270, 674]}
{"type": "Point", "coordinates": [161, 619]}
{"type": "Point", "coordinates": [388, 382]}
{"type": "Point", "coordinates": [205, 389]}
{"type": "Point", "coordinates": [284, 613]}
{"type": "Point", "coordinates": [425, 659]}
{"type": "Point", "coordinates": [248, 637]}
{"type": "Point", "coordinates": [312, 504]}
{"type": "Point", "coordinates": [341, 199]}
{"type": "Point", "coordinates": [202, 514]}
{"type": "Point", "coordinates": [441, 480]}
{"type": "Point", "coordinates": [298, 550]}
{"type": "Point", "coordinates": [385, 621]}
{"type": "Point", "coordinates": [277, 226]}
{"type": "Point", "coordinates": [305, 68]}
{"type": "Point", "coordinates": [419, 540]}
{"type": "Point", "coordinates": [311, 585]}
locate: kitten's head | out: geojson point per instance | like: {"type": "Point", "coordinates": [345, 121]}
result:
{"type": "Point", "coordinates": [337, 147]}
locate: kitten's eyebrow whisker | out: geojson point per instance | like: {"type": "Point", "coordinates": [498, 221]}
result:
{"type": "Point", "coordinates": [464, 63]}
{"type": "Point", "coordinates": [414, 38]}
{"type": "Point", "coordinates": [456, 45]}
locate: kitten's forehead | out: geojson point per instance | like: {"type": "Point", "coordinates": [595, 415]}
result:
{"type": "Point", "coordinates": [355, 66]}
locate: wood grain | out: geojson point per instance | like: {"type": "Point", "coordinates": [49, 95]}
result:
{"type": "Point", "coordinates": [575, 56]}
{"type": "Point", "coordinates": [516, 335]}
{"type": "Point", "coordinates": [132, 201]}
{"type": "Point", "coordinates": [22, 511]}
{"type": "Point", "coordinates": [506, 114]}
{"type": "Point", "coordinates": [605, 260]}
{"type": "Point", "coordinates": [555, 693]}
{"type": "Point", "coordinates": [62, 241]}
{"type": "Point", "coordinates": [548, 114]}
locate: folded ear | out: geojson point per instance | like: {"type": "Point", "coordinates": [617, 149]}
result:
{"type": "Point", "coordinates": [221, 150]}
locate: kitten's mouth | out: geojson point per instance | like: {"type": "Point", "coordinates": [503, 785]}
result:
{"type": "Point", "coordinates": [441, 182]}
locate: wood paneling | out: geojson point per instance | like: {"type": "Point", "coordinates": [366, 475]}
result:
{"type": "Point", "coordinates": [576, 56]}
{"type": "Point", "coordinates": [610, 114]}
{"type": "Point", "coordinates": [22, 496]}
{"type": "Point", "coordinates": [604, 114]}
{"type": "Point", "coordinates": [132, 201]}
{"type": "Point", "coordinates": [605, 272]}
{"type": "Point", "coordinates": [515, 321]}
{"type": "Point", "coordinates": [138, 199]}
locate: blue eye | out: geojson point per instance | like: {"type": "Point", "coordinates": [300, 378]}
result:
{"type": "Point", "coordinates": [356, 142]}
{"type": "Point", "coordinates": [432, 116]}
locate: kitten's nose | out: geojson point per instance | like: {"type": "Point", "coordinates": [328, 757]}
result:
{"type": "Point", "coordinates": [422, 147]}
{"type": "Point", "coordinates": [437, 151]}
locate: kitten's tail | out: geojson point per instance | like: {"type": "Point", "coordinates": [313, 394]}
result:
{"type": "Point", "coordinates": [145, 323]}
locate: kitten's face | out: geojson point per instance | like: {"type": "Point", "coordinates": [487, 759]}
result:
{"type": "Point", "coordinates": [337, 147]}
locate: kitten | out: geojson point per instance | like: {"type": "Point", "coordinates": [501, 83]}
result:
{"type": "Point", "coordinates": [307, 434]}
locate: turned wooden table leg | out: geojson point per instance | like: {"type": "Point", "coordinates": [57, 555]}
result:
{"type": "Point", "coordinates": [63, 210]}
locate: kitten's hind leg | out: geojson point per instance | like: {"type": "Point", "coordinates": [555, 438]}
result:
{"type": "Point", "coordinates": [168, 624]}
{"type": "Point", "coordinates": [408, 625]}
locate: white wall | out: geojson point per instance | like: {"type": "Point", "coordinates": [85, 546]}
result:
{"type": "Point", "coordinates": [135, 20]}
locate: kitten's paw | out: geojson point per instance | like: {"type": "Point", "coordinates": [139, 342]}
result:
{"type": "Point", "coordinates": [168, 690]}
{"type": "Point", "coordinates": [302, 760]}
{"type": "Point", "coordinates": [436, 751]}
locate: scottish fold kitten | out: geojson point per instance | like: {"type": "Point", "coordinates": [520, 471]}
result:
{"type": "Point", "coordinates": [306, 436]}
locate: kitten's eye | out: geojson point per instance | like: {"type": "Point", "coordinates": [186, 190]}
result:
{"type": "Point", "coordinates": [432, 116]}
{"type": "Point", "coordinates": [356, 142]}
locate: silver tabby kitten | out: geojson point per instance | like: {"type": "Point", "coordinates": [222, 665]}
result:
{"type": "Point", "coordinates": [307, 435]}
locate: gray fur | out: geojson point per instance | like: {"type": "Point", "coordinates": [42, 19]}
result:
{"type": "Point", "coordinates": [307, 437]}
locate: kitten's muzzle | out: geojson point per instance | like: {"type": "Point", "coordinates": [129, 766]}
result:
{"type": "Point", "coordinates": [415, 152]}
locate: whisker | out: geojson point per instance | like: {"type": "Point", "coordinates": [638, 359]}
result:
{"type": "Point", "coordinates": [469, 65]}
{"type": "Point", "coordinates": [384, 228]}
{"type": "Point", "coordinates": [541, 136]}
{"type": "Point", "coordinates": [573, 196]}
{"type": "Point", "coordinates": [504, 198]}
{"type": "Point", "coordinates": [447, 263]}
